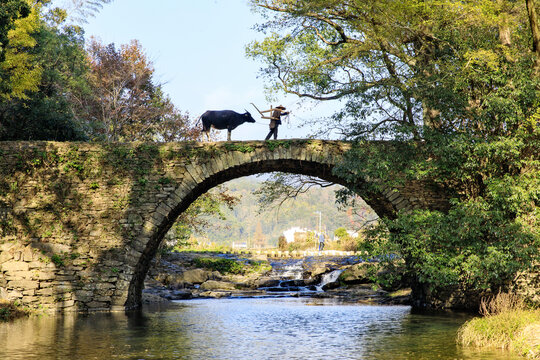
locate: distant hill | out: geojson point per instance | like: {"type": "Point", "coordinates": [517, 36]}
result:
{"type": "Point", "coordinates": [244, 223]}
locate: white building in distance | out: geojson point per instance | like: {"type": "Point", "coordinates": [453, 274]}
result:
{"type": "Point", "coordinates": [289, 233]}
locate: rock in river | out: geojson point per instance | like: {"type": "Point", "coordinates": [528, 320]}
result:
{"type": "Point", "coordinates": [217, 285]}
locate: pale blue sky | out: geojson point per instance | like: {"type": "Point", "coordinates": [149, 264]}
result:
{"type": "Point", "coordinates": [198, 50]}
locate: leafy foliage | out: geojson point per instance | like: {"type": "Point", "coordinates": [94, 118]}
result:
{"type": "Point", "coordinates": [20, 72]}
{"type": "Point", "coordinates": [455, 86]}
{"type": "Point", "coordinates": [52, 88]}
{"type": "Point", "coordinates": [47, 67]}
{"type": "Point", "coordinates": [10, 10]}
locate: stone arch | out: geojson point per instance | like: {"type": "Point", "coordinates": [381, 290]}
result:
{"type": "Point", "coordinates": [80, 222]}
{"type": "Point", "coordinates": [314, 158]}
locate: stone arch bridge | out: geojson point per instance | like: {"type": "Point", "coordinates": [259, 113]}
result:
{"type": "Point", "coordinates": [81, 222]}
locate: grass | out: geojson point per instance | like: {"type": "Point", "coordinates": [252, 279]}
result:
{"type": "Point", "coordinates": [230, 266]}
{"type": "Point", "coordinates": [399, 293]}
{"type": "Point", "coordinates": [507, 323]}
{"type": "Point", "coordinates": [206, 248]}
{"type": "Point", "coordinates": [10, 311]}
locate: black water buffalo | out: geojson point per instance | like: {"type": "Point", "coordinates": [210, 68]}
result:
{"type": "Point", "coordinates": [224, 119]}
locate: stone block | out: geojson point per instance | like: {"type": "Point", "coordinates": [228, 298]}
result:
{"type": "Point", "coordinates": [5, 256]}
{"type": "Point", "coordinates": [83, 293]}
{"type": "Point", "coordinates": [163, 209]}
{"type": "Point", "coordinates": [94, 305]}
{"type": "Point", "coordinates": [45, 292]}
{"type": "Point", "coordinates": [112, 263]}
{"type": "Point", "coordinates": [46, 275]}
{"type": "Point", "coordinates": [15, 266]}
{"type": "Point", "coordinates": [29, 299]}
{"type": "Point", "coordinates": [119, 299]}
{"type": "Point", "coordinates": [28, 254]}
{"type": "Point", "coordinates": [54, 248]}
{"type": "Point", "coordinates": [65, 272]}
{"type": "Point", "coordinates": [23, 284]}
{"type": "Point", "coordinates": [19, 275]}
{"type": "Point", "coordinates": [14, 295]}
{"type": "Point", "coordinates": [36, 265]}
{"type": "Point", "coordinates": [393, 196]}
{"type": "Point", "coordinates": [104, 286]}
{"type": "Point", "coordinates": [63, 288]}
{"type": "Point", "coordinates": [65, 303]}
{"type": "Point", "coordinates": [104, 299]}
{"type": "Point", "coordinates": [122, 285]}
{"type": "Point", "coordinates": [6, 246]}
{"type": "Point", "coordinates": [69, 278]}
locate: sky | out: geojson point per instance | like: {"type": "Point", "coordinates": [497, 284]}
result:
{"type": "Point", "coordinates": [198, 51]}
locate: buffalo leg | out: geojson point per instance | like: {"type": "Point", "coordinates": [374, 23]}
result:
{"type": "Point", "coordinates": [228, 135]}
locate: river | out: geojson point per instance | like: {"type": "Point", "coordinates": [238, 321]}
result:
{"type": "Point", "coordinates": [244, 328]}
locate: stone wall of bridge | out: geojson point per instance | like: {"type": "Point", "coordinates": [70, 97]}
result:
{"type": "Point", "coordinates": [80, 222]}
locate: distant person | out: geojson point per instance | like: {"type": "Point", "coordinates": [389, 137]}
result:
{"type": "Point", "coordinates": [276, 121]}
{"type": "Point", "coordinates": [321, 241]}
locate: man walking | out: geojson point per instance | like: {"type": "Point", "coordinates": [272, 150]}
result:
{"type": "Point", "coordinates": [276, 121]}
{"type": "Point", "coordinates": [321, 242]}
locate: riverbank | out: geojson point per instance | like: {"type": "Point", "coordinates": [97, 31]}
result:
{"type": "Point", "coordinates": [507, 324]}
{"type": "Point", "coordinates": [187, 275]}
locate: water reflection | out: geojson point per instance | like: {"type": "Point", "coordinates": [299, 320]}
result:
{"type": "Point", "coordinates": [241, 329]}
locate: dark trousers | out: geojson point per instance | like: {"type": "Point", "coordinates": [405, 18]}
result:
{"type": "Point", "coordinates": [272, 131]}
{"type": "Point", "coordinates": [321, 246]}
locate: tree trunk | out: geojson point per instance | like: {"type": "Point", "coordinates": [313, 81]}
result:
{"type": "Point", "coordinates": [504, 33]}
{"type": "Point", "coordinates": [535, 30]}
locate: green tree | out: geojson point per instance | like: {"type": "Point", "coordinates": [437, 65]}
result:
{"type": "Point", "coordinates": [47, 66]}
{"type": "Point", "coordinates": [454, 86]}
{"type": "Point", "coordinates": [10, 10]}
{"type": "Point", "coordinates": [341, 233]}
{"type": "Point", "coordinates": [19, 71]}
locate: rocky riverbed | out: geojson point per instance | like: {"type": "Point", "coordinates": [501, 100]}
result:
{"type": "Point", "coordinates": [186, 275]}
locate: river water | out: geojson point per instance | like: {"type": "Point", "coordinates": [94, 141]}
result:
{"type": "Point", "coordinates": [254, 328]}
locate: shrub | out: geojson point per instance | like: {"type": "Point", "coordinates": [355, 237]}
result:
{"type": "Point", "coordinates": [10, 310]}
{"type": "Point", "coordinates": [58, 260]}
